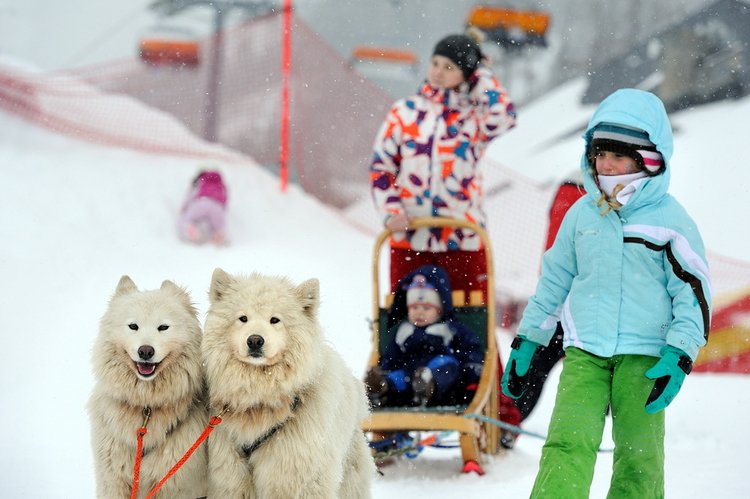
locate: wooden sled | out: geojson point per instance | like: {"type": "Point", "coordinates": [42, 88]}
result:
{"type": "Point", "coordinates": [478, 314]}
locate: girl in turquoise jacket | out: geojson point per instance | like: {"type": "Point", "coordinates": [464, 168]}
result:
{"type": "Point", "coordinates": [628, 280]}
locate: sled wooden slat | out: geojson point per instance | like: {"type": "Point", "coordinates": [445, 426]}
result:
{"type": "Point", "coordinates": [394, 421]}
{"type": "Point", "coordinates": [476, 298]}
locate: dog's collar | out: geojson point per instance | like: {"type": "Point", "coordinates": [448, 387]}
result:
{"type": "Point", "coordinates": [248, 448]}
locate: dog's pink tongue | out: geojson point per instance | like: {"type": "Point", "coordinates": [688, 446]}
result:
{"type": "Point", "coordinates": [146, 369]}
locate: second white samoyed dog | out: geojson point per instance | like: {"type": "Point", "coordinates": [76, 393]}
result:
{"type": "Point", "coordinates": [147, 360]}
{"type": "Point", "coordinates": [292, 408]}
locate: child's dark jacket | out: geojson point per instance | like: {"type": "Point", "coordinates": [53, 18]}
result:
{"type": "Point", "coordinates": [415, 346]}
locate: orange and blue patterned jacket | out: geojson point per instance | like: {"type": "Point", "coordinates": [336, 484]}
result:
{"type": "Point", "coordinates": [426, 155]}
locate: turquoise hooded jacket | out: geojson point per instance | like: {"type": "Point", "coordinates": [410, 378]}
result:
{"type": "Point", "coordinates": [631, 280]}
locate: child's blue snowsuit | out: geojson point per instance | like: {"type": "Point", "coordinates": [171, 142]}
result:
{"type": "Point", "coordinates": [450, 349]}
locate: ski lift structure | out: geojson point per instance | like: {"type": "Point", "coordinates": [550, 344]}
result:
{"type": "Point", "coordinates": [171, 51]}
{"type": "Point", "coordinates": [395, 70]}
{"type": "Point", "coordinates": [399, 56]}
{"type": "Point", "coordinates": [172, 46]}
{"type": "Point", "coordinates": [384, 62]}
{"type": "Point", "coordinates": [517, 35]}
{"type": "Point", "coordinates": [509, 27]}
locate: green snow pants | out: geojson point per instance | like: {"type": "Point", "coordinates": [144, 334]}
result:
{"type": "Point", "coordinates": [587, 385]}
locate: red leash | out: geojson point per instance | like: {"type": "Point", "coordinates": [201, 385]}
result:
{"type": "Point", "coordinates": [139, 452]}
{"type": "Point", "coordinates": [213, 422]}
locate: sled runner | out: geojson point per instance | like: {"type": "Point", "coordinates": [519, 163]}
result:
{"type": "Point", "coordinates": [475, 310]}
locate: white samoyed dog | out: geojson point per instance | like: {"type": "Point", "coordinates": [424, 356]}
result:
{"type": "Point", "coordinates": [147, 359]}
{"type": "Point", "coordinates": [292, 408]}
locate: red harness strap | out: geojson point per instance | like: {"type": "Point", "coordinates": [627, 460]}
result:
{"type": "Point", "coordinates": [139, 452]}
{"type": "Point", "coordinates": [213, 422]}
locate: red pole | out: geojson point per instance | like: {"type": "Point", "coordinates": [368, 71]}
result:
{"type": "Point", "coordinates": [286, 62]}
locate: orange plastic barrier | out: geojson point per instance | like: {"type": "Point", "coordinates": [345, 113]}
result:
{"type": "Point", "coordinates": [728, 348]}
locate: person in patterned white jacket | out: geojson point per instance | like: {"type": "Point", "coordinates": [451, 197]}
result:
{"type": "Point", "coordinates": [425, 162]}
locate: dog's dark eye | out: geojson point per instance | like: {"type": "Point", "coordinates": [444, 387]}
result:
{"type": "Point", "coordinates": [243, 318]}
{"type": "Point", "coordinates": [133, 326]}
{"type": "Point", "coordinates": [275, 320]}
{"type": "Point", "coordinates": [163, 327]}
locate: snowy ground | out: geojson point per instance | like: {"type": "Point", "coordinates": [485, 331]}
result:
{"type": "Point", "coordinates": [78, 216]}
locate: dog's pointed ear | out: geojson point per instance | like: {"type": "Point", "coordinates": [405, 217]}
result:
{"type": "Point", "coordinates": [125, 286]}
{"type": "Point", "coordinates": [170, 286]}
{"type": "Point", "coordinates": [309, 295]}
{"type": "Point", "coordinates": [220, 283]}
{"type": "Point", "coordinates": [180, 292]}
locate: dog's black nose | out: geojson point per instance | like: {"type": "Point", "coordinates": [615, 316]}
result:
{"type": "Point", "coordinates": [145, 352]}
{"type": "Point", "coordinates": [255, 342]}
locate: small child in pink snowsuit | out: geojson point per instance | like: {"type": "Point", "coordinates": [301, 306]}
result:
{"type": "Point", "coordinates": [202, 214]}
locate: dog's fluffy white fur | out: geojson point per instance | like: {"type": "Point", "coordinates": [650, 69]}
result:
{"type": "Point", "coordinates": [285, 391]}
{"type": "Point", "coordinates": [147, 354]}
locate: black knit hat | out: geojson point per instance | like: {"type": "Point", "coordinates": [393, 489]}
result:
{"type": "Point", "coordinates": [462, 50]}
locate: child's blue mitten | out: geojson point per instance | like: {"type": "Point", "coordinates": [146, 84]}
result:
{"type": "Point", "coordinates": [516, 375]}
{"type": "Point", "coordinates": [669, 373]}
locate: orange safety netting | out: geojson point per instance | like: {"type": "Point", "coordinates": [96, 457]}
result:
{"type": "Point", "coordinates": [334, 111]}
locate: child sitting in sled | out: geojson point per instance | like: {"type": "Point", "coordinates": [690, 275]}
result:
{"type": "Point", "coordinates": [432, 359]}
{"type": "Point", "coordinates": [202, 215]}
